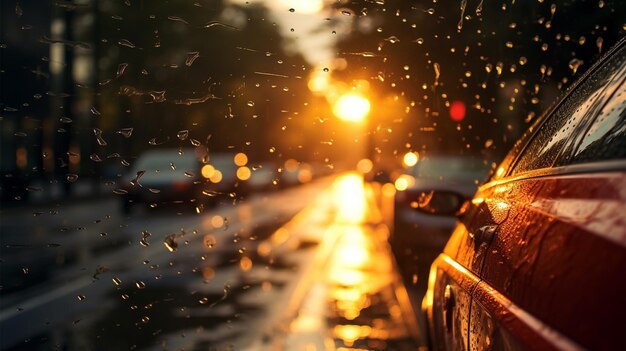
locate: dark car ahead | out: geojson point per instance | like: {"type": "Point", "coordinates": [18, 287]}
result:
{"type": "Point", "coordinates": [539, 259]}
{"type": "Point", "coordinates": [178, 176]}
{"type": "Point", "coordinates": [414, 230]}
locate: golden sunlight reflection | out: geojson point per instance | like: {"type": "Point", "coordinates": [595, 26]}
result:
{"type": "Point", "coordinates": [349, 194]}
{"type": "Point", "coordinates": [351, 291]}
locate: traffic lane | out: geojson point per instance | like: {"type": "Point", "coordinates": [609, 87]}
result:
{"type": "Point", "coordinates": [211, 260]}
{"type": "Point", "coordinates": [38, 251]}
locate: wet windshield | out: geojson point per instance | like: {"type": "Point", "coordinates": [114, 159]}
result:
{"type": "Point", "coordinates": [218, 173]}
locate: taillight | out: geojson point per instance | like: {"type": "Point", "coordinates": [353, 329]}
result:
{"type": "Point", "coordinates": [180, 186]}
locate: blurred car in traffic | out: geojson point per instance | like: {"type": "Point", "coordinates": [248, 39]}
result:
{"type": "Point", "coordinates": [414, 230]}
{"type": "Point", "coordinates": [177, 176]}
{"type": "Point", "coordinates": [539, 259]}
{"type": "Point", "coordinates": [264, 177]}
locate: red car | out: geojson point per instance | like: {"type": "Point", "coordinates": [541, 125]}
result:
{"type": "Point", "coordinates": [539, 258]}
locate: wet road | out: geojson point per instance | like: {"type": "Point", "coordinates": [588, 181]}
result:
{"type": "Point", "coordinates": [304, 268]}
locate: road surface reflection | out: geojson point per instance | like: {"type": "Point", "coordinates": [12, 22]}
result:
{"type": "Point", "coordinates": [351, 302]}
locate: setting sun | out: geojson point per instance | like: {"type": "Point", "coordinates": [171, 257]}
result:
{"type": "Point", "coordinates": [351, 107]}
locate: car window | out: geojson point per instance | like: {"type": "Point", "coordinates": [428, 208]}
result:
{"type": "Point", "coordinates": [450, 169]}
{"type": "Point", "coordinates": [580, 105]}
{"type": "Point", "coordinates": [606, 137]}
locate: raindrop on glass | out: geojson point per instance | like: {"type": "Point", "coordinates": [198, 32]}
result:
{"type": "Point", "coordinates": [183, 134]}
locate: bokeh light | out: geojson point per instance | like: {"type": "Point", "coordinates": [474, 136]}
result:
{"type": "Point", "coordinates": [243, 173]}
{"type": "Point", "coordinates": [241, 159]}
{"type": "Point", "coordinates": [457, 111]}
{"type": "Point", "coordinates": [410, 159]}
{"type": "Point", "coordinates": [365, 166]}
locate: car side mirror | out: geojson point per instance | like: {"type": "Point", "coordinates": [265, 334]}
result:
{"type": "Point", "coordinates": [442, 203]}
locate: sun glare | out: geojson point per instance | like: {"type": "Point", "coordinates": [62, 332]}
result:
{"type": "Point", "coordinates": [304, 6]}
{"type": "Point", "coordinates": [352, 107]}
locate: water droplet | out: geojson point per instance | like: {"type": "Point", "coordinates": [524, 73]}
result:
{"type": "Point", "coordinates": [479, 8]}
{"type": "Point", "coordinates": [346, 12]}
{"type": "Point", "coordinates": [155, 142]}
{"type": "Point", "coordinates": [292, 10]}
{"type": "Point", "coordinates": [140, 285]}
{"type": "Point", "coordinates": [177, 19]}
{"type": "Point", "coordinates": [437, 71]}
{"type": "Point", "coordinates": [183, 134]}
{"type": "Point", "coordinates": [523, 60]}
{"type": "Point", "coordinates": [420, 41]}
{"type": "Point", "coordinates": [95, 158]}
{"type": "Point", "coordinates": [98, 133]}
{"type": "Point", "coordinates": [80, 297]}
{"type": "Point", "coordinates": [135, 180]}
{"type": "Point", "coordinates": [189, 174]}
{"type": "Point", "coordinates": [94, 111]}
{"type": "Point", "coordinates": [120, 192]}
{"type": "Point", "coordinates": [431, 11]}
{"type": "Point", "coordinates": [582, 40]}
{"type": "Point", "coordinates": [121, 68]}
{"type": "Point", "coordinates": [65, 120]}
{"type": "Point", "coordinates": [170, 242]}
{"type": "Point", "coordinates": [599, 43]}
{"type": "Point", "coordinates": [125, 132]}
{"type": "Point", "coordinates": [393, 39]}
{"type": "Point", "coordinates": [127, 43]}
{"type": "Point", "coordinates": [574, 64]}
{"type": "Point", "coordinates": [325, 69]}
{"type": "Point", "coordinates": [499, 66]}
{"type": "Point", "coordinates": [250, 103]}
{"type": "Point", "coordinates": [117, 281]}
{"type": "Point", "coordinates": [154, 191]}
{"type": "Point", "coordinates": [191, 57]}
{"type": "Point", "coordinates": [157, 96]}
{"type": "Point", "coordinates": [172, 166]}
{"type": "Point", "coordinates": [459, 25]}
{"type": "Point", "coordinates": [71, 177]}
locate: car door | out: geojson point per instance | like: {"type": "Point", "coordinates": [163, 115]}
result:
{"type": "Point", "coordinates": [553, 275]}
{"type": "Point", "coordinates": [455, 273]}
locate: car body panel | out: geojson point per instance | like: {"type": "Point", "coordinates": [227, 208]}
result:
{"type": "Point", "coordinates": [498, 324]}
{"type": "Point", "coordinates": [561, 254]}
{"type": "Point", "coordinates": [447, 304]}
{"type": "Point", "coordinates": [546, 238]}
